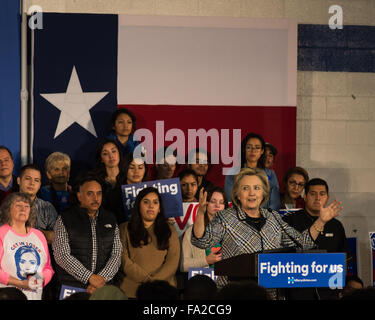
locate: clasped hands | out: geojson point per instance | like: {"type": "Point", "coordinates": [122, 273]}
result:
{"type": "Point", "coordinates": [95, 282]}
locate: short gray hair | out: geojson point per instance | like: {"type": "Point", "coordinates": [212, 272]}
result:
{"type": "Point", "coordinates": [5, 215]}
{"type": "Point", "coordinates": [55, 157]}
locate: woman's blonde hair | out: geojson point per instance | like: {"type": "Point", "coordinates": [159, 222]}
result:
{"type": "Point", "coordinates": [5, 215]}
{"type": "Point", "coordinates": [260, 173]}
{"type": "Point", "coordinates": [56, 157]}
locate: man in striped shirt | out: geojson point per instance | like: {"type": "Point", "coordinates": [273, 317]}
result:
{"type": "Point", "coordinates": [86, 243]}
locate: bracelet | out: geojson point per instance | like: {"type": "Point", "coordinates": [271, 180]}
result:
{"type": "Point", "coordinates": [318, 230]}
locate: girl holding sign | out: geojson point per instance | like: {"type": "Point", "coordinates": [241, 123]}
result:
{"type": "Point", "coordinates": [151, 249]}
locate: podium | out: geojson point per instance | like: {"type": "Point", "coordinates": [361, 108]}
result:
{"type": "Point", "coordinates": [238, 268]}
{"type": "Point", "coordinates": [244, 266]}
{"type": "Point", "coordinates": [286, 268]}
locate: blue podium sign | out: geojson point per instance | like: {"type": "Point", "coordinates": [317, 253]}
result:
{"type": "Point", "coordinates": [301, 270]}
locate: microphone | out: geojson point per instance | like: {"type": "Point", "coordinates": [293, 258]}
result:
{"type": "Point", "coordinates": [283, 227]}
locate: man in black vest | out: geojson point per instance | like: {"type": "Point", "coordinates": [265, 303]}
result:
{"type": "Point", "coordinates": [86, 244]}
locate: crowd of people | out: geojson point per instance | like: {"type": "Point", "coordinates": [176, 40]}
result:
{"type": "Point", "coordinates": [76, 233]}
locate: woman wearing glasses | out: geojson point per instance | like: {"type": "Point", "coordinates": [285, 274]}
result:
{"type": "Point", "coordinates": [210, 202]}
{"type": "Point", "coordinates": [25, 262]}
{"type": "Point", "coordinates": [294, 183]}
{"type": "Point", "coordinates": [246, 227]}
{"type": "Point", "coordinates": [253, 156]}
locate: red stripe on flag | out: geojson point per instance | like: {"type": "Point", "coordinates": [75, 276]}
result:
{"type": "Point", "coordinates": [277, 125]}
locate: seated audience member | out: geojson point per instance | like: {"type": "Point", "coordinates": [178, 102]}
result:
{"type": "Point", "coordinates": [135, 169]}
{"type": "Point", "coordinates": [25, 261]}
{"type": "Point", "coordinates": [29, 181]}
{"type": "Point", "coordinates": [198, 161]}
{"type": "Point", "coordinates": [151, 249]}
{"type": "Point", "coordinates": [157, 290]}
{"type": "Point", "coordinates": [57, 167]}
{"type": "Point", "coordinates": [248, 290]}
{"type": "Point", "coordinates": [189, 185]}
{"type": "Point", "coordinates": [252, 156]}
{"type": "Point", "coordinates": [91, 261]}
{"type": "Point", "coordinates": [331, 235]}
{"type": "Point", "coordinates": [8, 182]}
{"type": "Point", "coordinates": [210, 202]}
{"type": "Point", "coordinates": [122, 127]}
{"type": "Point", "coordinates": [12, 293]}
{"type": "Point", "coordinates": [270, 156]}
{"type": "Point", "coordinates": [294, 183]}
{"type": "Point", "coordinates": [168, 165]}
{"type": "Point", "coordinates": [108, 292]}
{"type": "Point", "coordinates": [109, 168]}
{"type": "Point", "coordinates": [200, 287]}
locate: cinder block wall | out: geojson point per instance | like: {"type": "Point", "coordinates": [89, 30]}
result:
{"type": "Point", "coordinates": [335, 110]}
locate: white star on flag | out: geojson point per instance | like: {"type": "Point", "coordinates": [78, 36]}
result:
{"type": "Point", "coordinates": [74, 105]}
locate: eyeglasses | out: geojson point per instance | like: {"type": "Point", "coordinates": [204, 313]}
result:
{"type": "Point", "coordinates": [22, 207]}
{"type": "Point", "coordinates": [295, 184]}
{"type": "Point", "coordinates": [255, 148]}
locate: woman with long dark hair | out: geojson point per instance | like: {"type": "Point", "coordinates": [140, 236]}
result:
{"type": "Point", "coordinates": [253, 156]}
{"type": "Point", "coordinates": [110, 170]}
{"type": "Point", "coordinates": [151, 249]}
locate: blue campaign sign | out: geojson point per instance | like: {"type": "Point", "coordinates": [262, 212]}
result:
{"type": "Point", "coordinates": [67, 291]}
{"type": "Point", "coordinates": [209, 272]}
{"type": "Point", "coordinates": [169, 190]}
{"type": "Point", "coordinates": [300, 270]}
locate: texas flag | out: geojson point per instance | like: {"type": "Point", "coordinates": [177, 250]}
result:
{"type": "Point", "coordinates": [181, 76]}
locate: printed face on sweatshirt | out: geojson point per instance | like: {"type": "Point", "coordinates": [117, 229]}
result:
{"type": "Point", "coordinates": [27, 261]}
